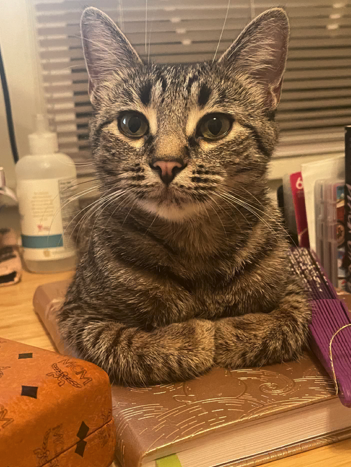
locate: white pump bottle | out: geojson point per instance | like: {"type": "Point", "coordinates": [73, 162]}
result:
{"type": "Point", "coordinates": [46, 183]}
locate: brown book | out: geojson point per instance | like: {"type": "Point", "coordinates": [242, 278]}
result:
{"type": "Point", "coordinates": [235, 418]}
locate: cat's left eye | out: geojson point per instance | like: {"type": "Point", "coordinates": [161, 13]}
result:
{"type": "Point", "coordinates": [133, 124]}
{"type": "Point", "coordinates": [214, 126]}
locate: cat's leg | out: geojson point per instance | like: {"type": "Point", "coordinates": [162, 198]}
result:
{"type": "Point", "coordinates": [260, 339]}
{"type": "Point", "coordinates": [132, 356]}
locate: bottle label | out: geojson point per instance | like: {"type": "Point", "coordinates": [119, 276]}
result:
{"type": "Point", "coordinates": [46, 209]}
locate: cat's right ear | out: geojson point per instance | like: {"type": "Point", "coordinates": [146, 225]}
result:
{"type": "Point", "coordinates": [106, 49]}
{"type": "Point", "coordinates": [261, 51]}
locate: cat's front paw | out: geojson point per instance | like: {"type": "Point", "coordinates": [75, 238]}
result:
{"type": "Point", "coordinates": [177, 352]}
{"type": "Point", "coordinates": [197, 346]}
{"type": "Point", "coordinates": [229, 351]}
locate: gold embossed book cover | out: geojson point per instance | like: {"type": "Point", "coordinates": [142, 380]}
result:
{"type": "Point", "coordinates": [227, 415]}
{"type": "Point", "coordinates": [225, 418]}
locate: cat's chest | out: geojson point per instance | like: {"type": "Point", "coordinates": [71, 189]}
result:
{"type": "Point", "coordinates": [222, 298]}
{"type": "Point", "coordinates": [156, 295]}
{"type": "Point", "coordinates": [233, 295]}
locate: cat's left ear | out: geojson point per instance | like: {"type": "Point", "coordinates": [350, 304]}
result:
{"type": "Point", "coordinates": [106, 48]}
{"type": "Point", "coordinates": [261, 51]}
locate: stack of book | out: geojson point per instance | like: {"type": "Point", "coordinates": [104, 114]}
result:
{"type": "Point", "coordinates": [317, 211]}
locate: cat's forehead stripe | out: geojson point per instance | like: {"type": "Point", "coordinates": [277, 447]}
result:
{"type": "Point", "coordinates": [145, 93]}
{"type": "Point", "coordinates": [204, 95]}
{"type": "Point", "coordinates": [156, 83]}
{"type": "Point", "coordinates": [163, 83]}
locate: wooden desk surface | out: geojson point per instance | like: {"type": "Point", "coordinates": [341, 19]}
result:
{"type": "Point", "coordinates": [19, 322]}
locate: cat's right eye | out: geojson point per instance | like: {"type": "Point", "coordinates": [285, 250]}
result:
{"type": "Point", "coordinates": [133, 124]}
{"type": "Point", "coordinates": [213, 127]}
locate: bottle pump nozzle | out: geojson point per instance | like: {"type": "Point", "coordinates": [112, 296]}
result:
{"type": "Point", "coordinates": [42, 141]}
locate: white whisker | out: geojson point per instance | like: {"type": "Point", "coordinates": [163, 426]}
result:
{"type": "Point", "coordinates": [271, 218]}
{"type": "Point", "coordinates": [85, 218]}
{"type": "Point", "coordinates": [220, 220]}
{"type": "Point", "coordinates": [91, 205]}
{"type": "Point", "coordinates": [116, 209]}
{"type": "Point", "coordinates": [121, 17]}
{"type": "Point", "coordinates": [235, 207]}
{"type": "Point", "coordinates": [145, 26]}
{"type": "Point", "coordinates": [152, 223]}
{"type": "Point", "coordinates": [247, 207]}
{"type": "Point", "coordinates": [105, 204]}
{"type": "Point", "coordinates": [130, 210]}
{"type": "Point", "coordinates": [70, 200]}
{"type": "Point", "coordinates": [220, 37]}
{"type": "Point", "coordinates": [252, 9]}
{"type": "Point", "coordinates": [149, 48]}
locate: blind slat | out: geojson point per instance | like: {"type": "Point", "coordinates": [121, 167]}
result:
{"type": "Point", "coordinates": [295, 6]}
{"type": "Point", "coordinates": [205, 21]}
{"type": "Point", "coordinates": [314, 123]}
{"type": "Point", "coordinates": [315, 104]}
{"type": "Point", "coordinates": [307, 114]}
{"type": "Point", "coordinates": [60, 74]}
{"type": "Point", "coordinates": [295, 96]}
{"type": "Point", "coordinates": [306, 65]}
{"type": "Point", "coordinates": [201, 11]}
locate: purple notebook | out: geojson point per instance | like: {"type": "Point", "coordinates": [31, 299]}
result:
{"type": "Point", "coordinates": [329, 315]}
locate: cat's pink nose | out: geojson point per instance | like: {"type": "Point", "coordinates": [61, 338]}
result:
{"type": "Point", "coordinates": [167, 170]}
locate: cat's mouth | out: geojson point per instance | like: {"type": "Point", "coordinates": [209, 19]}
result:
{"type": "Point", "coordinates": [170, 195]}
{"type": "Point", "coordinates": [171, 202]}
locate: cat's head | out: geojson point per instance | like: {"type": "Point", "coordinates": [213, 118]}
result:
{"type": "Point", "coordinates": [177, 139]}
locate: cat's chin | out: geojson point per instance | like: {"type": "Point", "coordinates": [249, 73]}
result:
{"type": "Point", "coordinates": [171, 211]}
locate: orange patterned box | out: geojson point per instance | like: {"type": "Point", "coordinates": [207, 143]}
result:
{"type": "Point", "coordinates": [54, 411]}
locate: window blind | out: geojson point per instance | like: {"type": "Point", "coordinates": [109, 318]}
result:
{"type": "Point", "coordinates": [316, 100]}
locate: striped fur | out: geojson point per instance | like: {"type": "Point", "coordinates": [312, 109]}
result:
{"type": "Point", "coordinates": [174, 280]}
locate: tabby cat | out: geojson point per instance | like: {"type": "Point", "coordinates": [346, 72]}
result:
{"type": "Point", "coordinates": [184, 264]}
